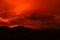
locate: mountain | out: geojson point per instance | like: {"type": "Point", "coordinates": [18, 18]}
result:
{"type": "Point", "coordinates": [23, 33]}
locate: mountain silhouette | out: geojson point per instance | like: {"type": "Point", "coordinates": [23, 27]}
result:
{"type": "Point", "coordinates": [24, 33]}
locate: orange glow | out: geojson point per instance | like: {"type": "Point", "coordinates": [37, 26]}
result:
{"type": "Point", "coordinates": [18, 12]}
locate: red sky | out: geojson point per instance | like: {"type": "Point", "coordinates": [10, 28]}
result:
{"type": "Point", "coordinates": [23, 12]}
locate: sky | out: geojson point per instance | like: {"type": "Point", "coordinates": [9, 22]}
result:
{"type": "Point", "coordinates": [34, 14]}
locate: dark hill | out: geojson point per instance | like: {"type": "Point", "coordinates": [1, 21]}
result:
{"type": "Point", "coordinates": [23, 33]}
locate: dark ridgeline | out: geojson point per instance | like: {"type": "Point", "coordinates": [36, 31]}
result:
{"type": "Point", "coordinates": [23, 33]}
{"type": "Point", "coordinates": [15, 29]}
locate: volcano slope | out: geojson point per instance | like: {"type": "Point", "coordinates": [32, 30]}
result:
{"type": "Point", "coordinates": [35, 14]}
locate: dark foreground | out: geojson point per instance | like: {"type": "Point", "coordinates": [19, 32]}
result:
{"type": "Point", "coordinates": [22, 33]}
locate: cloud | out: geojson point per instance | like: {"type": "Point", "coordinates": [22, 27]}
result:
{"type": "Point", "coordinates": [31, 13]}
